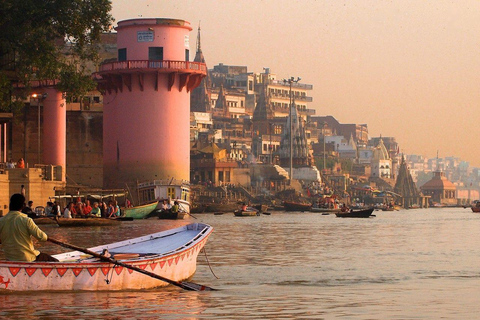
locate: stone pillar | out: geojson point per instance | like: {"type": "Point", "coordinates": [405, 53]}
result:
{"type": "Point", "coordinates": [54, 128]}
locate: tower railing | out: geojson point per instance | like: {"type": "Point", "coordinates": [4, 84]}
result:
{"type": "Point", "coordinates": [166, 65]}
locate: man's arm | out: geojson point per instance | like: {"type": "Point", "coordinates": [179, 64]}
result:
{"type": "Point", "coordinates": [35, 231]}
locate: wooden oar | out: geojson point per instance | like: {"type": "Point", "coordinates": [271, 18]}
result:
{"type": "Point", "coordinates": [182, 284]}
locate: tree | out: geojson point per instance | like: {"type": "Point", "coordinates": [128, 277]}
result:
{"type": "Point", "coordinates": [49, 40]}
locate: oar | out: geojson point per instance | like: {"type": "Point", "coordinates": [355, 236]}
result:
{"type": "Point", "coordinates": [182, 284]}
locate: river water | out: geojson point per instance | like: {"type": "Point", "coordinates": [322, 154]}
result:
{"type": "Point", "coordinates": [408, 264]}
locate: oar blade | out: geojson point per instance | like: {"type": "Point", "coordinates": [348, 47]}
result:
{"type": "Point", "coordinates": [196, 287]}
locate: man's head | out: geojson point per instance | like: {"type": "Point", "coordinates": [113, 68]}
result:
{"type": "Point", "coordinates": [17, 201]}
{"type": "Point", "coordinates": [30, 203]}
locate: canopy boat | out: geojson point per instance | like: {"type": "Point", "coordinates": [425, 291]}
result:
{"type": "Point", "coordinates": [297, 206]}
{"type": "Point", "coordinates": [171, 254]}
{"type": "Point", "coordinates": [83, 222]}
{"type": "Point", "coordinates": [140, 212]}
{"type": "Point", "coordinates": [355, 213]}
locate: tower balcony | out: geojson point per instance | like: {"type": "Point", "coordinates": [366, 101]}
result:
{"type": "Point", "coordinates": [116, 75]}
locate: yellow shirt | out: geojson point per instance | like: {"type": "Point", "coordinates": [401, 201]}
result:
{"type": "Point", "coordinates": [16, 229]}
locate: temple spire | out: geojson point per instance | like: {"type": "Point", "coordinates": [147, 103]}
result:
{"type": "Point", "coordinates": [199, 46]}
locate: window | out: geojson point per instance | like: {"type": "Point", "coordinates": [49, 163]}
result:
{"type": "Point", "coordinates": [155, 53]}
{"type": "Point", "coordinates": [171, 193]}
{"type": "Point", "coordinates": [122, 54]}
{"type": "Point", "coordinates": [187, 55]}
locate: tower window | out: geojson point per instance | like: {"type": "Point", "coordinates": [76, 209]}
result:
{"type": "Point", "coordinates": [155, 53]}
{"type": "Point", "coordinates": [122, 54]}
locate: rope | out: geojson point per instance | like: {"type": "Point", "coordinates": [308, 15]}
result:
{"type": "Point", "coordinates": [208, 262]}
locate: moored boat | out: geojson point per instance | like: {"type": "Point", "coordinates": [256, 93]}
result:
{"type": "Point", "coordinates": [296, 206]}
{"type": "Point", "coordinates": [171, 254]}
{"type": "Point", "coordinates": [140, 212]}
{"type": "Point", "coordinates": [366, 213]}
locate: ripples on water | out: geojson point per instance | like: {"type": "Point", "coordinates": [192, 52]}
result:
{"type": "Point", "coordinates": [411, 264]}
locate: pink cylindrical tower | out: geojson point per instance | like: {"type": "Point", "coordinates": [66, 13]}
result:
{"type": "Point", "coordinates": [54, 129]}
{"type": "Point", "coordinates": [146, 118]}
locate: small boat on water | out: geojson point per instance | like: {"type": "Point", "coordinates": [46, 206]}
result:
{"type": "Point", "coordinates": [140, 212]}
{"type": "Point", "coordinates": [171, 254]}
{"type": "Point", "coordinates": [296, 206]}
{"type": "Point", "coordinates": [84, 222]}
{"type": "Point", "coordinates": [365, 213]}
{"type": "Point", "coordinates": [246, 213]}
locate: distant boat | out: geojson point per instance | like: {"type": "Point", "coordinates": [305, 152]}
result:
{"type": "Point", "coordinates": [476, 209]}
{"type": "Point", "coordinates": [246, 213]}
{"type": "Point", "coordinates": [366, 213]}
{"type": "Point", "coordinates": [296, 206]}
{"type": "Point", "coordinates": [140, 212]}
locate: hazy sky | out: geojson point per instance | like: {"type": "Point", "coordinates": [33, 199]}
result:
{"type": "Point", "coordinates": [408, 69]}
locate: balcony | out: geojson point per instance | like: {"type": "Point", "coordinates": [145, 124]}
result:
{"type": "Point", "coordinates": [115, 75]}
{"type": "Point", "coordinates": [154, 65]}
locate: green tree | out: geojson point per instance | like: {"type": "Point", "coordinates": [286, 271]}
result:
{"type": "Point", "coordinates": [49, 40]}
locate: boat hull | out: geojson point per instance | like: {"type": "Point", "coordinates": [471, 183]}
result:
{"type": "Point", "coordinates": [247, 213]}
{"type": "Point", "coordinates": [87, 222]}
{"type": "Point", "coordinates": [355, 214]}
{"type": "Point", "coordinates": [140, 212]}
{"type": "Point", "coordinates": [178, 265]}
{"type": "Point", "coordinates": [294, 206]}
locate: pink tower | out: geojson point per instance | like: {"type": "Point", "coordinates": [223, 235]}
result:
{"type": "Point", "coordinates": [146, 118]}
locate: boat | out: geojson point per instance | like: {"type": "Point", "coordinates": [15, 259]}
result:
{"type": "Point", "coordinates": [476, 209]}
{"type": "Point", "coordinates": [140, 212]}
{"type": "Point", "coordinates": [171, 254]}
{"type": "Point", "coordinates": [168, 214]}
{"type": "Point", "coordinates": [296, 206]}
{"type": "Point", "coordinates": [44, 220]}
{"type": "Point", "coordinates": [168, 189]}
{"type": "Point", "coordinates": [365, 213]}
{"type": "Point", "coordinates": [84, 222]}
{"type": "Point", "coordinates": [246, 213]}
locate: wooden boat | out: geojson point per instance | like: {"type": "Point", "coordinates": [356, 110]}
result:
{"type": "Point", "coordinates": [168, 214]}
{"type": "Point", "coordinates": [246, 213]}
{"type": "Point", "coordinates": [171, 254]}
{"type": "Point", "coordinates": [83, 222]}
{"type": "Point", "coordinates": [44, 220]}
{"type": "Point", "coordinates": [140, 212]}
{"type": "Point", "coordinates": [355, 213]}
{"type": "Point", "coordinates": [296, 206]}
{"type": "Point", "coordinates": [476, 209]}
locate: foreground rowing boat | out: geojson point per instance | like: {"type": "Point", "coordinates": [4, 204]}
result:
{"type": "Point", "coordinates": [171, 254]}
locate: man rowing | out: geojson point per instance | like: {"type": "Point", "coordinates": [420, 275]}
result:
{"type": "Point", "coordinates": [16, 229]}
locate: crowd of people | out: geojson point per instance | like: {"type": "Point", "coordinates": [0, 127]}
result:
{"type": "Point", "coordinates": [78, 209]}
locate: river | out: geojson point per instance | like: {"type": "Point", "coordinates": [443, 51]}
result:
{"type": "Point", "coordinates": [408, 264]}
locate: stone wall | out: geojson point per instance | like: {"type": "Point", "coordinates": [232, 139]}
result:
{"type": "Point", "coordinates": [84, 144]}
